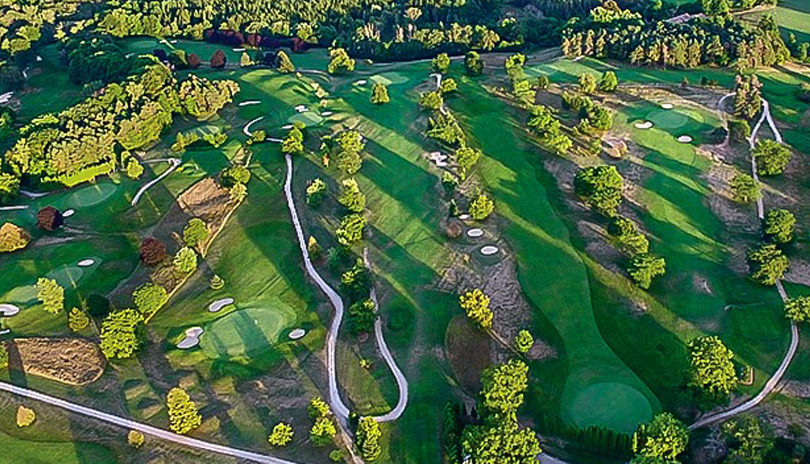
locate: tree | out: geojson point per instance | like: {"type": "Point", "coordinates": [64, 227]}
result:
{"type": "Point", "coordinates": [96, 305]}
{"type": "Point", "coordinates": [744, 189]}
{"type": "Point", "coordinates": [149, 298]}
{"type": "Point", "coordinates": [51, 294]}
{"type": "Point", "coordinates": [601, 187]}
{"type": "Point", "coordinates": [323, 431]}
{"type": "Point", "coordinates": [293, 144]}
{"type": "Point", "coordinates": [514, 66]}
{"type": "Point", "coordinates": [750, 444]}
{"type": "Point", "coordinates": [282, 435]}
{"type": "Point", "coordinates": [49, 218]}
{"type": "Point", "coordinates": [665, 437]}
{"type": "Point", "coordinates": [9, 184]}
{"type": "Point", "coordinates": [318, 408]}
{"type": "Point", "coordinates": [503, 388]}
{"type": "Point", "coordinates": [448, 85]}
{"type": "Point", "coordinates": [500, 444]}
{"type": "Point", "coordinates": [183, 414]}
{"type": "Point", "coordinates": [431, 100]}
{"type": "Point", "coordinates": [476, 304]}
{"type": "Point", "coordinates": [340, 62]}
{"type": "Point", "coordinates": [524, 341]}
{"type": "Point", "coordinates": [779, 225]}
{"type": "Point", "coordinates": [316, 192]}
{"type": "Point", "coordinates": [135, 439]}
{"type": "Point", "coordinates": [587, 83]}
{"type": "Point", "coordinates": [194, 60]}
{"type": "Point", "coordinates": [771, 156]}
{"type": "Point", "coordinates": [712, 368]}
{"type": "Point", "coordinates": [218, 59]}
{"type": "Point", "coordinates": [630, 239]}
{"type": "Point", "coordinates": [798, 309]}
{"type": "Point", "coordinates": [121, 333]}
{"type": "Point", "coordinates": [609, 82]}
{"type": "Point", "coordinates": [153, 252]}
{"type": "Point", "coordinates": [466, 157]}
{"type": "Point", "coordinates": [473, 64]}
{"type": "Point", "coordinates": [368, 438]}
{"type": "Point", "coordinates": [739, 130]}
{"type": "Point", "coordinates": [481, 207]}
{"type": "Point", "coordinates": [185, 261]}
{"type": "Point", "coordinates": [13, 238]}
{"type": "Point", "coordinates": [236, 174]}
{"type": "Point", "coordinates": [379, 94]}
{"type": "Point", "coordinates": [3, 357]}
{"type": "Point", "coordinates": [195, 233]}
{"type": "Point", "coordinates": [361, 316]}
{"type": "Point", "coordinates": [351, 229]}
{"type": "Point", "coordinates": [351, 197]}
{"type": "Point", "coordinates": [441, 63]}
{"type": "Point", "coordinates": [11, 77]}
{"type": "Point", "coordinates": [356, 282]}
{"type": "Point", "coordinates": [767, 264]}
{"type": "Point", "coordinates": [134, 168]}
{"type": "Point", "coordinates": [285, 64]}
{"type": "Point", "coordinates": [77, 320]}
{"type": "Point", "coordinates": [245, 60]}
{"type": "Point", "coordinates": [645, 267]}
{"type": "Point", "coordinates": [238, 192]}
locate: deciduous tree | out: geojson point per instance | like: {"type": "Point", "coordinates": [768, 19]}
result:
{"type": "Point", "coordinates": [712, 368]}
{"type": "Point", "coordinates": [51, 294]}
{"type": "Point", "coordinates": [183, 414]}
{"type": "Point", "coordinates": [779, 225]}
{"type": "Point", "coordinates": [282, 435]}
{"type": "Point", "coordinates": [476, 304]}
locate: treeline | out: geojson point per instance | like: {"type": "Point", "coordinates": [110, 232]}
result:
{"type": "Point", "coordinates": [96, 136]}
{"type": "Point", "coordinates": [612, 32]}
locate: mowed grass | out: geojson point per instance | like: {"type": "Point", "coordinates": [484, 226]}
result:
{"type": "Point", "coordinates": [793, 17]}
{"type": "Point", "coordinates": [552, 275]}
{"type": "Point", "coordinates": [46, 452]}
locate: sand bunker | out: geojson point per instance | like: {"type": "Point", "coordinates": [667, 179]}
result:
{"type": "Point", "coordinates": [475, 233]}
{"type": "Point", "coordinates": [644, 125]}
{"type": "Point", "coordinates": [297, 334]}
{"type": "Point", "coordinates": [4, 332]}
{"type": "Point", "coordinates": [301, 108]}
{"type": "Point", "coordinates": [685, 139]}
{"type": "Point", "coordinates": [192, 338]}
{"type": "Point", "coordinates": [464, 217]}
{"type": "Point", "coordinates": [251, 102]}
{"type": "Point", "coordinates": [667, 106]}
{"type": "Point", "coordinates": [437, 158]}
{"type": "Point", "coordinates": [6, 97]}
{"type": "Point", "coordinates": [327, 113]}
{"type": "Point", "coordinates": [217, 306]}
{"type": "Point", "coordinates": [489, 250]}
{"type": "Point", "coordinates": [238, 50]}
{"type": "Point", "coordinates": [87, 262]}
{"type": "Point", "coordinates": [8, 310]}
{"type": "Point", "coordinates": [361, 82]}
{"type": "Point", "coordinates": [69, 213]}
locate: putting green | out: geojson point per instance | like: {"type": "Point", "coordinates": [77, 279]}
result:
{"type": "Point", "coordinates": [389, 78]}
{"type": "Point", "coordinates": [21, 295]}
{"type": "Point", "coordinates": [67, 276]}
{"type": "Point", "coordinates": [674, 119]}
{"type": "Point", "coordinates": [92, 195]}
{"type": "Point", "coordinates": [614, 405]}
{"type": "Point", "coordinates": [246, 333]}
{"type": "Point", "coordinates": [309, 118]}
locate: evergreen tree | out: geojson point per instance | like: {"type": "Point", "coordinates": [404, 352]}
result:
{"type": "Point", "coordinates": [379, 94]}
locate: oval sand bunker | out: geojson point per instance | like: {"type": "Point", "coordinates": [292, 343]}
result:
{"type": "Point", "coordinates": [69, 213]}
{"type": "Point", "coordinates": [667, 106]}
{"type": "Point", "coordinates": [489, 250]}
{"type": "Point", "coordinates": [8, 310]}
{"type": "Point", "coordinates": [685, 139]}
{"type": "Point", "coordinates": [86, 262]}
{"type": "Point", "coordinates": [192, 338]}
{"type": "Point", "coordinates": [475, 233]}
{"type": "Point", "coordinates": [297, 334]}
{"type": "Point", "coordinates": [644, 125]}
{"type": "Point", "coordinates": [217, 306]}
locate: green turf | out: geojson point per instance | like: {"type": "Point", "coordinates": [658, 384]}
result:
{"type": "Point", "coordinates": [626, 409]}
{"type": "Point", "coordinates": [308, 118]}
{"type": "Point", "coordinates": [91, 195]}
{"type": "Point", "coordinates": [245, 332]}
{"type": "Point", "coordinates": [16, 450]}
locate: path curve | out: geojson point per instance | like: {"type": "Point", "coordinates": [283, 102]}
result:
{"type": "Point", "coordinates": [339, 408]}
{"type": "Point", "coordinates": [143, 428]}
{"type": "Point", "coordinates": [246, 129]}
{"type": "Point", "coordinates": [175, 163]}
{"type": "Point", "coordinates": [794, 329]}
{"type": "Point", "coordinates": [13, 208]}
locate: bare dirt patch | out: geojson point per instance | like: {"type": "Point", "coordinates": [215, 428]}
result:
{"type": "Point", "coordinates": [468, 352]}
{"type": "Point", "coordinates": [73, 361]}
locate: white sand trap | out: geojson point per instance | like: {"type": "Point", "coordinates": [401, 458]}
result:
{"type": "Point", "coordinates": [3, 332]}
{"type": "Point", "coordinates": [39, 58]}
{"type": "Point", "coordinates": [173, 41]}
{"type": "Point", "coordinates": [87, 262]}
{"type": "Point", "coordinates": [361, 82]}
{"type": "Point", "coordinates": [489, 250]}
{"type": "Point", "coordinates": [474, 233]}
{"type": "Point", "coordinates": [8, 310]}
{"type": "Point", "coordinates": [438, 158]}
{"type": "Point", "coordinates": [578, 58]}
{"type": "Point", "coordinates": [644, 125]}
{"type": "Point", "coordinates": [464, 217]}
{"type": "Point", "coordinates": [192, 338]}
{"type": "Point", "coordinates": [217, 306]}
{"type": "Point", "coordinates": [238, 50]}
{"type": "Point", "coordinates": [327, 113]}
{"type": "Point", "coordinates": [287, 127]}
{"type": "Point", "coordinates": [685, 139]}
{"type": "Point", "coordinates": [297, 334]}
{"type": "Point", "coordinates": [667, 106]}
{"type": "Point", "coordinates": [251, 102]}
{"type": "Point", "coordinates": [69, 213]}
{"type": "Point", "coordinates": [4, 98]}
{"type": "Point", "coordinates": [301, 108]}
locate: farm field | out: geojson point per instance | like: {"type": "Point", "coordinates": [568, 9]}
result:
{"type": "Point", "coordinates": [607, 355]}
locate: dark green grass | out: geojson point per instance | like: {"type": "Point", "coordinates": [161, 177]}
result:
{"type": "Point", "coordinates": [45, 452]}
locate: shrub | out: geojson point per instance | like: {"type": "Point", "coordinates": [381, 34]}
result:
{"type": "Point", "coordinates": [379, 94]}
{"type": "Point", "coordinates": [316, 192]}
{"type": "Point", "coordinates": [361, 316]}
{"type": "Point", "coordinates": [767, 264]}
{"type": "Point", "coordinates": [285, 64]}
{"type": "Point", "coordinates": [149, 298]}
{"type": "Point", "coordinates": [153, 252]}
{"type": "Point", "coordinates": [77, 320]}
{"type": "Point", "coordinates": [524, 341]}
{"type": "Point", "coordinates": [744, 189]}
{"type": "Point", "coordinates": [481, 207]}
{"type": "Point", "coordinates": [441, 63]}
{"type": "Point", "coordinates": [587, 83]}
{"type": "Point", "coordinates": [3, 356]}
{"type": "Point", "coordinates": [134, 168]}
{"type": "Point", "coordinates": [543, 82]}
{"type": "Point", "coordinates": [25, 416]}
{"type": "Point", "coordinates": [314, 249]}
{"type": "Point", "coordinates": [183, 414]}
{"type": "Point", "coordinates": [195, 233]}
{"type": "Point", "coordinates": [217, 283]}
{"type": "Point", "coordinates": [185, 261]}
{"type": "Point", "coordinates": [473, 64]}
{"type": "Point", "coordinates": [609, 82]}
{"type": "Point", "coordinates": [739, 130]}
{"type": "Point", "coordinates": [282, 435]}
{"type": "Point", "coordinates": [135, 439]}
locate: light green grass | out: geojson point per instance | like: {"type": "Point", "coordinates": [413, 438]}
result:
{"type": "Point", "coordinates": [16, 450]}
{"type": "Point", "coordinates": [245, 332]}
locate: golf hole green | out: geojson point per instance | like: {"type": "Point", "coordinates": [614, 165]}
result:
{"type": "Point", "coordinates": [309, 118]}
{"type": "Point", "coordinates": [67, 276]}
{"type": "Point", "coordinates": [389, 78]}
{"type": "Point", "coordinates": [92, 195]}
{"type": "Point", "coordinates": [616, 406]}
{"type": "Point", "coordinates": [674, 119]}
{"type": "Point", "coordinates": [246, 333]}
